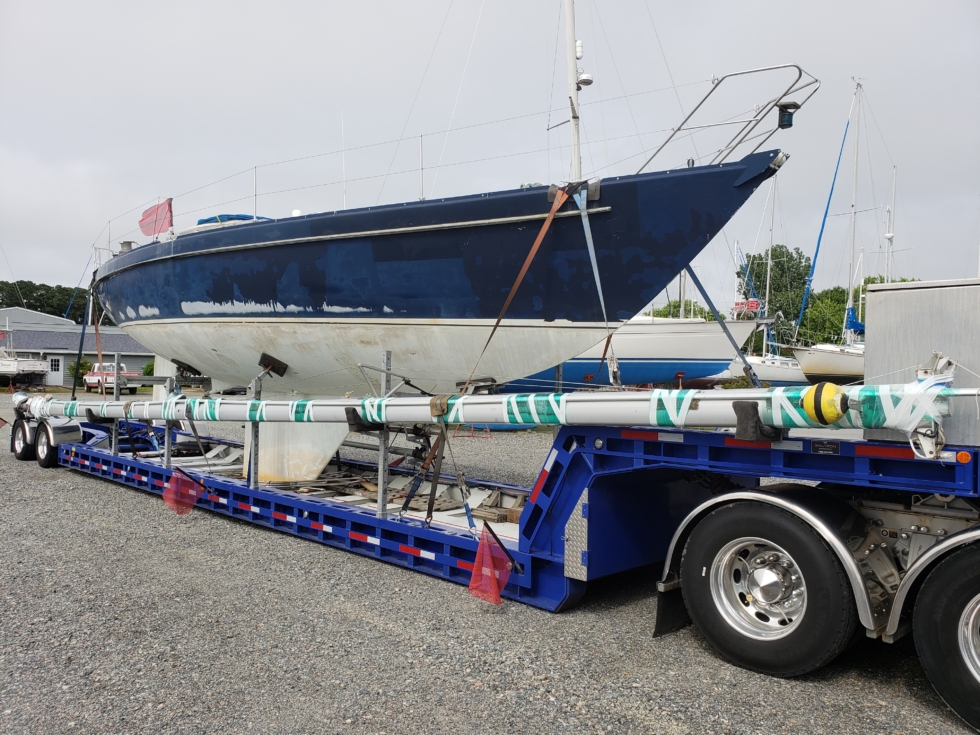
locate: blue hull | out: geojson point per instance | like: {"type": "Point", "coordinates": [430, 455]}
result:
{"type": "Point", "coordinates": [451, 259]}
{"type": "Point", "coordinates": [578, 374]}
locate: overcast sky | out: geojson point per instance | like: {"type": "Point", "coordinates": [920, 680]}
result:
{"type": "Point", "coordinates": [107, 106]}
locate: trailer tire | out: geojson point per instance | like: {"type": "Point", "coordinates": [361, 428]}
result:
{"type": "Point", "coordinates": [946, 629]}
{"type": "Point", "coordinates": [766, 591]}
{"type": "Point", "coordinates": [44, 450]}
{"type": "Point", "coordinates": [23, 449]}
{"type": "Point", "coordinates": [132, 391]}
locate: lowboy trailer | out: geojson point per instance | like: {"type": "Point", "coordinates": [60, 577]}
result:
{"type": "Point", "coordinates": [782, 547]}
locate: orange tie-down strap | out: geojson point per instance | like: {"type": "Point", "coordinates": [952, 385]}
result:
{"type": "Point", "coordinates": [560, 198]}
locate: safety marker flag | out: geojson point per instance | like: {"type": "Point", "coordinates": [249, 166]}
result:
{"type": "Point", "coordinates": [491, 569]}
{"type": "Point", "coordinates": [182, 492]}
{"type": "Point", "coordinates": [2, 423]}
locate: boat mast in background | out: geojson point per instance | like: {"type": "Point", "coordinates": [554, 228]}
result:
{"type": "Point", "coordinates": [890, 229]}
{"type": "Point", "coordinates": [849, 333]}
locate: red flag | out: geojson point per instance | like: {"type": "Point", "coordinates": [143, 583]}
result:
{"type": "Point", "coordinates": [491, 569]}
{"type": "Point", "coordinates": [157, 219]}
{"type": "Point", "coordinates": [182, 492]}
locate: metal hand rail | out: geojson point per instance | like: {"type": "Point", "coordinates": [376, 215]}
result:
{"type": "Point", "coordinates": [750, 124]}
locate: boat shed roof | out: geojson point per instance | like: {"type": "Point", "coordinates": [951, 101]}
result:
{"type": "Point", "coordinates": [19, 316]}
{"type": "Point", "coordinates": [40, 340]}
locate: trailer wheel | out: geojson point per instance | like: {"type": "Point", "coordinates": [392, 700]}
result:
{"type": "Point", "coordinates": [23, 450]}
{"type": "Point", "coordinates": [132, 391]}
{"type": "Point", "coordinates": [946, 628]}
{"type": "Point", "coordinates": [766, 591]}
{"type": "Point", "coordinates": [46, 453]}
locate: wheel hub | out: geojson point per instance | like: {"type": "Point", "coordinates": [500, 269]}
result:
{"type": "Point", "coordinates": [757, 588]}
{"type": "Point", "coordinates": [770, 584]}
{"type": "Point", "coordinates": [969, 636]}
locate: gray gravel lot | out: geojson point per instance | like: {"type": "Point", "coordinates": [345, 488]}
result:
{"type": "Point", "coordinates": [120, 617]}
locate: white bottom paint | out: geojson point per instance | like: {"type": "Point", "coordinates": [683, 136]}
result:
{"type": "Point", "coordinates": [323, 354]}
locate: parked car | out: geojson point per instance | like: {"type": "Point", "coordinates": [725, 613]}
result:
{"type": "Point", "coordinates": [104, 373]}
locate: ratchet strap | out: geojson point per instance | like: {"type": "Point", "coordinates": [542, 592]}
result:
{"type": "Point", "coordinates": [436, 472]}
{"type": "Point", "coordinates": [581, 199]}
{"type": "Point", "coordinates": [561, 196]}
{"type": "Point", "coordinates": [417, 482]}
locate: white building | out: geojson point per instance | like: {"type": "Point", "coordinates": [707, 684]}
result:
{"type": "Point", "coordinates": [38, 336]}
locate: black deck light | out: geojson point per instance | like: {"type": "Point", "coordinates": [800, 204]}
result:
{"type": "Point", "coordinates": [786, 110]}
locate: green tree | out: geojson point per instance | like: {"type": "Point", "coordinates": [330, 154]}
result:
{"type": "Point", "coordinates": [84, 366]}
{"type": "Point", "coordinates": [46, 299]}
{"type": "Point", "coordinates": [692, 310]}
{"type": "Point", "coordinates": [824, 317]}
{"type": "Point", "coordinates": [787, 282]}
{"type": "Point", "coordinates": [148, 368]}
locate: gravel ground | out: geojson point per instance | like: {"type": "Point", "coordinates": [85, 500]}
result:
{"type": "Point", "coordinates": [120, 617]}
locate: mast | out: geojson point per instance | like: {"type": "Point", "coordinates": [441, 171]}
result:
{"type": "Point", "coordinates": [772, 217]}
{"type": "Point", "coordinates": [574, 53]}
{"type": "Point", "coordinates": [847, 333]}
{"type": "Point", "coordinates": [890, 229]}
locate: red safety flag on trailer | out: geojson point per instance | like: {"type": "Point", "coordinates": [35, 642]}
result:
{"type": "Point", "coordinates": [157, 219]}
{"type": "Point", "coordinates": [2, 423]}
{"type": "Point", "coordinates": [182, 492]}
{"type": "Point", "coordinates": [490, 570]}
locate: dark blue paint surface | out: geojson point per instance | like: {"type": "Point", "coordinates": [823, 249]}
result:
{"type": "Point", "coordinates": [577, 374]}
{"type": "Point", "coordinates": [657, 224]}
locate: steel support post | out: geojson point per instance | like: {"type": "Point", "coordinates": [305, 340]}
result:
{"type": "Point", "coordinates": [253, 452]}
{"type": "Point", "coordinates": [749, 372]}
{"type": "Point", "coordinates": [115, 397]}
{"type": "Point", "coordinates": [383, 439]}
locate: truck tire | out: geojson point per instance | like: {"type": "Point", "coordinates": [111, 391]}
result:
{"type": "Point", "coordinates": [23, 449]}
{"type": "Point", "coordinates": [765, 591]}
{"type": "Point", "coordinates": [946, 629]}
{"type": "Point", "coordinates": [88, 388]}
{"type": "Point", "coordinates": [44, 450]}
{"type": "Point", "coordinates": [132, 391]}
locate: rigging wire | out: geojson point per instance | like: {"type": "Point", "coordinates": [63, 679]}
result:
{"type": "Point", "coordinates": [619, 76]}
{"type": "Point", "coordinates": [415, 99]}
{"type": "Point", "coordinates": [459, 91]}
{"type": "Point", "coordinates": [13, 278]}
{"type": "Point", "coordinates": [598, 82]}
{"type": "Point", "coordinates": [550, 84]}
{"type": "Point", "coordinates": [670, 76]}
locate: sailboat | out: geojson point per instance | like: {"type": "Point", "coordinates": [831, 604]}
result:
{"type": "Point", "coordinates": [427, 280]}
{"type": "Point", "coordinates": [839, 363]}
{"type": "Point", "coordinates": [770, 367]}
{"type": "Point", "coordinates": [645, 350]}
{"type": "Point", "coordinates": [430, 281]}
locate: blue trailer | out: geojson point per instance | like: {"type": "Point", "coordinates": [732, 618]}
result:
{"type": "Point", "coordinates": [781, 552]}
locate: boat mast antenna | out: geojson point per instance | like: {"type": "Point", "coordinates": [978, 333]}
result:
{"type": "Point", "coordinates": [576, 80]}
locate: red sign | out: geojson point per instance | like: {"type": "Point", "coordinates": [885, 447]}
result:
{"type": "Point", "coordinates": [750, 305]}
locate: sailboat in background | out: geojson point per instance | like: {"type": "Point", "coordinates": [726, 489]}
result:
{"type": "Point", "coordinates": [839, 363]}
{"type": "Point", "coordinates": [770, 367]}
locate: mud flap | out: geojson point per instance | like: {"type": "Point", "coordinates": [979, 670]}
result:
{"type": "Point", "coordinates": [671, 613]}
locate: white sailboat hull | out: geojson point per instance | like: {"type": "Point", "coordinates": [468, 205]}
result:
{"type": "Point", "coordinates": [323, 355]}
{"type": "Point", "coordinates": [773, 370]}
{"type": "Point", "coordinates": [832, 363]}
{"type": "Point", "coordinates": [649, 351]}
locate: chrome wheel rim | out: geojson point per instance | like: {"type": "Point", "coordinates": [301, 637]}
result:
{"type": "Point", "coordinates": [42, 444]}
{"type": "Point", "coordinates": [758, 588]}
{"type": "Point", "coordinates": [19, 440]}
{"type": "Point", "coordinates": [969, 636]}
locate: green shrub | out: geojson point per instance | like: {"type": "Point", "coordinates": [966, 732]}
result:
{"type": "Point", "coordinates": [84, 366]}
